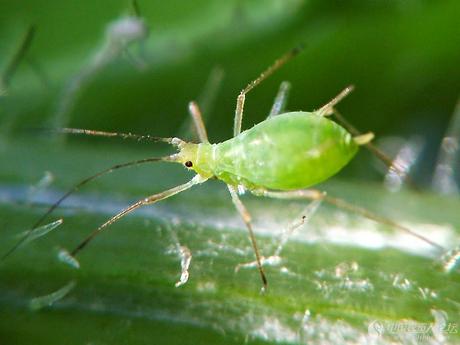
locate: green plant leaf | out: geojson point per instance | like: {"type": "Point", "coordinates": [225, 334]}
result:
{"type": "Point", "coordinates": [340, 279]}
{"type": "Point", "coordinates": [330, 285]}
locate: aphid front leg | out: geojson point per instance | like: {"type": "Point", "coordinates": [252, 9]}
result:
{"type": "Point", "coordinates": [146, 201]}
{"type": "Point", "coordinates": [312, 194]}
{"type": "Point", "coordinates": [247, 220]}
{"type": "Point", "coordinates": [77, 186]}
{"type": "Point", "coordinates": [281, 99]}
{"type": "Point", "coordinates": [197, 118]}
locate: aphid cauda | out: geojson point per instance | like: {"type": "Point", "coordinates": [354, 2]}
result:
{"type": "Point", "coordinates": [277, 158]}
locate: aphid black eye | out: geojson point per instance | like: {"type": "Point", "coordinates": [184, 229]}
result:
{"type": "Point", "coordinates": [188, 164]}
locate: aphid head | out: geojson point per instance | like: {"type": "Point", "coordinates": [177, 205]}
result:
{"type": "Point", "coordinates": [196, 157]}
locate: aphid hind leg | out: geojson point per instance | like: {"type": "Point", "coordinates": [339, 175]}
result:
{"type": "Point", "coordinates": [264, 75]}
{"type": "Point", "coordinates": [197, 118]}
{"type": "Point", "coordinates": [142, 202]}
{"type": "Point", "coordinates": [382, 156]}
{"type": "Point", "coordinates": [281, 99]}
{"type": "Point", "coordinates": [312, 194]}
{"type": "Point", "coordinates": [247, 221]}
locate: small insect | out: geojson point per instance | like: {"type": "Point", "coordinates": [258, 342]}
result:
{"type": "Point", "coordinates": [277, 158]}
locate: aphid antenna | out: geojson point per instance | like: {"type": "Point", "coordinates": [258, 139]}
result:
{"type": "Point", "coordinates": [139, 137]}
{"type": "Point", "coordinates": [76, 187]}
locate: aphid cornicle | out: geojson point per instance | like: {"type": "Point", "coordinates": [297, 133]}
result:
{"type": "Point", "coordinates": [276, 158]}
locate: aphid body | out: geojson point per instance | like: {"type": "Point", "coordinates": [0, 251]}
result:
{"type": "Point", "coordinates": [286, 152]}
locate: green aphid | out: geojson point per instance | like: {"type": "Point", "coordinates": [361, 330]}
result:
{"type": "Point", "coordinates": [290, 151]}
{"type": "Point", "coordinates": [277, 158]}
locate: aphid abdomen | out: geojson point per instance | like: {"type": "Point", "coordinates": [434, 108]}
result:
{"type": "Point", "coordinates": [290, 151]}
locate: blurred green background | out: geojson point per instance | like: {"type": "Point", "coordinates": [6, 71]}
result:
{"type": "Point", "coordinates": [403, 58]}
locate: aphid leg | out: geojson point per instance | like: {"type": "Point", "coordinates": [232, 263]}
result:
{"type": "Point", "coordinates": [264, 75]}
{"type": "Point", "coordinates": [328, 108]}
{"type": "Point", "coordinates": [238, 113]}
{"type": "Point", "coordinates": [247, 220]}
{"type": "Point", "coordinates": [312, 194]}
{"type": "Point", "coordinates": [73, 190]}
{"type": "Point", "coordinates": [146, 201]}
{"type": "Point", "coordinates": [206, 100]}
{"type": "Point", "coordinates": [280, 99]}
{"type": "Point", "coordinates": [275, 259]}
{"type": "Point", "coordinates": [382, 156]}
{"type": "Point", "coordinates": [353, 130]}
{"type": "Point", "coordinates": [306, 215]}
{"type": "Point", "coordinates": [198, 121]}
